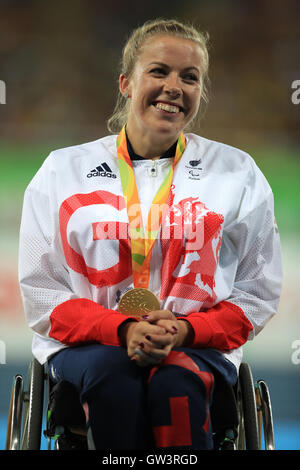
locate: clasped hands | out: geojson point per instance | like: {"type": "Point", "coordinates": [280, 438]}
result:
{"type": "Point", "coordinates": [150, 340]}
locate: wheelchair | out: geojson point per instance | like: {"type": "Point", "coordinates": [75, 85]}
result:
{"type": "Point", "coordinates": [240, 415]}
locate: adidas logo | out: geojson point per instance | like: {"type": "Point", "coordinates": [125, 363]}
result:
{"type": "Point", "coordinates": [102, 170]}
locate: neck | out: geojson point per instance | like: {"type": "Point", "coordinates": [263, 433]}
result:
{"type": "Point", "coordinates": [150, 146]}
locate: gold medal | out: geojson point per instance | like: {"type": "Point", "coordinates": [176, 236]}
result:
{"type": "Point", "coordinates": [138, 302]}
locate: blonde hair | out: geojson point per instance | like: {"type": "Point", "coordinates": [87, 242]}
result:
{"type": "Point", "coordinates": [131, 53]}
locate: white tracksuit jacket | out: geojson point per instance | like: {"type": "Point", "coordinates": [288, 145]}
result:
{"type": "Point", "coordinates": [216, 262]}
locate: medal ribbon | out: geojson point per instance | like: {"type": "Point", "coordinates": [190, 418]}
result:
{"type": "Point", "coordinates": [142, 240]}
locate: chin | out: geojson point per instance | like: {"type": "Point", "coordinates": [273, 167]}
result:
{"type": "Point", "coordinates": [168, 128]}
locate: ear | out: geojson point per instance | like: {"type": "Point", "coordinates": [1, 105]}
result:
{"type": "Point", "coordinates": [124, 86]}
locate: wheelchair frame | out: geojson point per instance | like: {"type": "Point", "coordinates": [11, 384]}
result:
{"type": "Point", "coordinates": [254, 411]}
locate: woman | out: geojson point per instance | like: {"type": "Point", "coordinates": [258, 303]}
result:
{"type": "Point", "coordinates": [175, 215]}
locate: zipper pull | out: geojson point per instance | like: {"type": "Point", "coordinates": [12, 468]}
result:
{"type": "Point", "coordinates": [153, 169]}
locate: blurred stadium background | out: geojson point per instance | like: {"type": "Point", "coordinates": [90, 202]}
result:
{"type": "Point", "coordinates": [59, 61]}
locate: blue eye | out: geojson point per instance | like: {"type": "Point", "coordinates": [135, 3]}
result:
{"type": "Point", "coordinates": [191, 77]}
{"type": "Point", "coordinates": [158, 70]}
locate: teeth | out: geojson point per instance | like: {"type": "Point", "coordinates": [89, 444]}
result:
{"type": "Point", "coordinates": [167, 107]}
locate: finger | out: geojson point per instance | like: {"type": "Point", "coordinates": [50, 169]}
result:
{"type": "Point", "coordinates": [137, 355]}
{"type": "Point", "coordinates": [169, 326]}
{"type": "Point", "coordinates": [151, 350]}
{"type": "Point", "coordinates": [156, 315]}
{"type": "Point", "coordinates": [152, 336]}
{"type": "Point", "coordinates": [148, 328]}
{"type": "Point", "coordinates": [142, 359]}
{"type": "Point", "coordinates": [155, 355]}
{"type": "Point", "coordinates": [138, 352]}
{"type": "Point", "coordinates": [158, 341]}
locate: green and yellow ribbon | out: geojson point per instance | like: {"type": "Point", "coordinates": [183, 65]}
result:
{"type": "Point", "coordinates": [142, 240]}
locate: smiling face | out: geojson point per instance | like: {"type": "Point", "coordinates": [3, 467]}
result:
{"type": "Point", "coordinates": [164, 90]}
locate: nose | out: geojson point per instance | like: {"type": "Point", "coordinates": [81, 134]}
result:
{"type": "Point", "coordinates": [172, 85]}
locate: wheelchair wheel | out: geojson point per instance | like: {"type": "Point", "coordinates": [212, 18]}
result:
{"type": "Point", "coordinates": [33, 410]}
{"type": "Point", "coordinates": [248, 434]}
{"type": "Point", "coordinates": [15, 415]}
{"type": "Point", "coordinates": [265, 417]}
{"type": "Point", "coordinates": [26, 410]}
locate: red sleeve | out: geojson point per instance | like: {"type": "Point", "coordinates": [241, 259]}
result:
{"type": "Point", "coordinates": [82, 320]}
{"type": "Point", "coordinates": [222, 327]}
